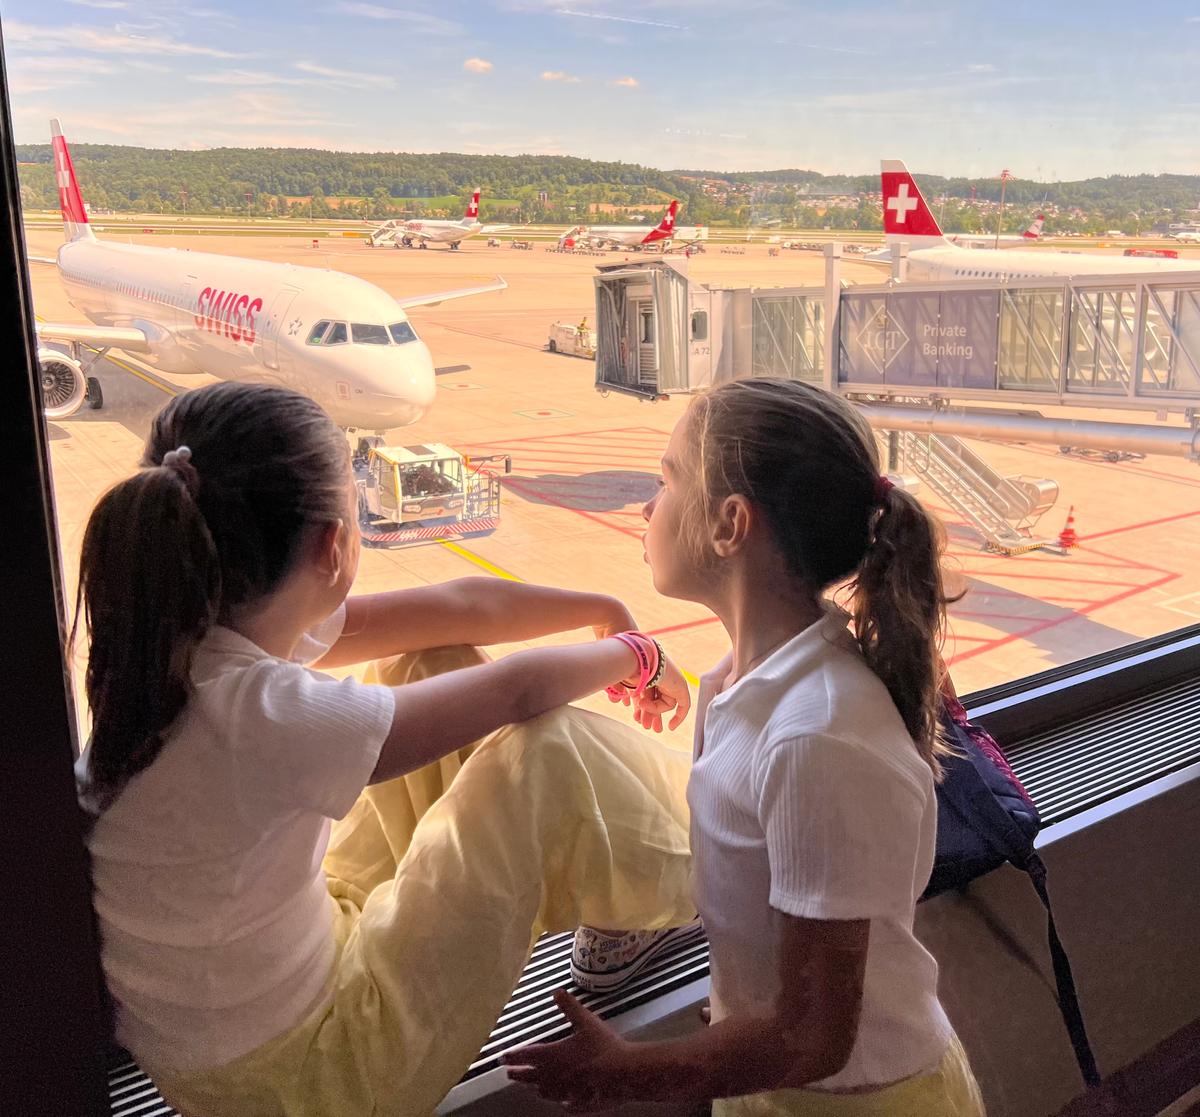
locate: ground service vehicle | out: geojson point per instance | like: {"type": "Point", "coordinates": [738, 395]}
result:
{"type": "Point", "coordinates": [574, 341]}
{"type": "Point", "coordinates": [416, 494]}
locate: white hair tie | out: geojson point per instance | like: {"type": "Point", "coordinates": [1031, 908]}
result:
{"type": "Point", "coordinates": [181, 456]}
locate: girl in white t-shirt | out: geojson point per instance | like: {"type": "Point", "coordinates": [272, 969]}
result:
{"type": "Point", "coordinates": [812, 790]}
{"type": "Point", "coordinates": [258, 966]}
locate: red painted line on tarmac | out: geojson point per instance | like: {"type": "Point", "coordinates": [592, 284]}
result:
{"type": "Point", "coordinates": [680, 627]}
{"type": "Point", "coordinates": [973, 614]}
{"type": "Point", "coordinates": [1058, 578]}
{"type": "Point", "coordinates": [1012, 637]}
{"type": "Point", "coordinates": [537, 495]}
{"type": "Point", "coordinates": [1122, 467]}
{"type": "Point", "coordinates": [575, 437]}
{"type": "Point", "coordinates": [1138, 527]}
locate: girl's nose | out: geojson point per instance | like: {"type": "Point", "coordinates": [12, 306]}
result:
{"type": "Point", "coordinates": [648, 507]}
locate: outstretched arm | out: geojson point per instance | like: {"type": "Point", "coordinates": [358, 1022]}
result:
{"type": "Point", "coordinates": [805, 1037]}
{"type": "Point", "coordinates": [436, 716]}
{"type": "Point", "coordinates": [476, 611]}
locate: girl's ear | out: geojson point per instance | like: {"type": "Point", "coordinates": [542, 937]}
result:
{"type": "Point", "coordinates": [329, 547]}
{"type": "Point", "coordinates": [731, 526]}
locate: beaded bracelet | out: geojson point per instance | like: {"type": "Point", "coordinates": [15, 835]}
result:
{"type": "Point", "coordinates": [661, 669]}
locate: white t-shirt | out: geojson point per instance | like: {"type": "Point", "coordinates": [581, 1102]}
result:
{"type": "Point", "coordinates": [215, 921]}
{"type": "Point", "coordinates": [808, 796]}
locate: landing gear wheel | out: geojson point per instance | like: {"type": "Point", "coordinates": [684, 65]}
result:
{"type": "Point", "coordinates": [454, 246]}
{"type": "Point", "coordinates": [95, 394]}
{"type": "Point", "coordinates": [553, 346]}
{"type": "Point", "coordinates": [406, 241]}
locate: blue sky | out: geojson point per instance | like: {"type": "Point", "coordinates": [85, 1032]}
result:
{"type": "Point", "coordinates": [1051, 91]}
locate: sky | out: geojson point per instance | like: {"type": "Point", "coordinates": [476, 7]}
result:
{"type": "Point", "coordinates": [1049, 91]}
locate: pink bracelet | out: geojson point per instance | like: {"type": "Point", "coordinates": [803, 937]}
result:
{"type": "Point", "coordinates": [648, 661]}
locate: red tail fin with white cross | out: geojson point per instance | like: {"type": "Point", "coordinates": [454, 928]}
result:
{"type": "Point", "coordinates": [472, 213]}
{"type": "Point", "coordinates": [70, 200]}
{"type": "Point", "coordinates": [1034, 232]}
{"type": "Point", "coordinates": [666, 227]}
{"type": "Point", "coordinates": [906, 217]}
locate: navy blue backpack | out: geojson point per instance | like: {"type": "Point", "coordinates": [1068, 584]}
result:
{"type": "Point", "coordinates": [986, 818]}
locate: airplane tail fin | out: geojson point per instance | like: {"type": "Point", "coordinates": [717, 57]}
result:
{"type": "Point", "coordinates": [906, 217]}
{"type": "Point", "coordinates": [666, 227]}
{"type": "Point", "coordinates": [70, 200]}
{"type": "Point", "coordinates": [1034, 231]}
{"type": "Point", "coordinates": [472, 213]}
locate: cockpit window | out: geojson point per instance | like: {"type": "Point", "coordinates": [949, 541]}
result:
{"type": "Point", "coordinates": [402, 332]}
{"type": "Point", "coordinates": [368, 334]}
{"type": "Point", "coordinates": [337, 334]}
{"type": "Point", "coordinates": [318, 332]}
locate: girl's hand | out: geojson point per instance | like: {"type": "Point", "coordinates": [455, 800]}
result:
{"type": "Point", "coordinates": [672, 693]}
{"type": "Point", "coordinates": [582, 1072]}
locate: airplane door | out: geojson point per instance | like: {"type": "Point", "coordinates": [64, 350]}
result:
{"type": "Point", "coordinates": [271, 328]}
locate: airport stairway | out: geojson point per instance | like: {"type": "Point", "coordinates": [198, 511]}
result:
{"type": "Point", "coordinates": [1004, 510]}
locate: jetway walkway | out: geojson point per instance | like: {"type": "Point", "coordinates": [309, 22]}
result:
{"type": "Point", "coordinates": [1004, 510]}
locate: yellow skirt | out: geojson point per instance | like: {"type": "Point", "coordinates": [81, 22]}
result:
{"type": "Point", "coordinates": [950, 1091]}
{"type": "Point", "coordinates": [443, 881]}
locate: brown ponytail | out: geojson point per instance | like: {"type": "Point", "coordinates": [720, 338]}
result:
{"type": "Point", "coordinates": [808, 459]}
{"type": "Point", "coordinates": [899, 608]}
{"type": "Point", "coordinates": [191, 541]}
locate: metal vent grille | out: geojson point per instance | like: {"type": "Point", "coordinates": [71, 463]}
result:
{"type": "Point", "coordinates": [1118, 749]}
{"type": "Point", "coordinates": [132, 1094]}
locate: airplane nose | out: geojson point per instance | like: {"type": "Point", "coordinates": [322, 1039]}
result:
{"type": "Point", "coordinates": [404, 391]}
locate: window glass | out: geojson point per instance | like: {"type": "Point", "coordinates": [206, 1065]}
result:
{"type": "Point", "coordinates": [369, 334]}
{"type": "Point", "coordinates": [279, 162]}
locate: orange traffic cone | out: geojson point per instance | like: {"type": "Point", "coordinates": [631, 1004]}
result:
{"type": "Point", "coordinates": [1067, 537]}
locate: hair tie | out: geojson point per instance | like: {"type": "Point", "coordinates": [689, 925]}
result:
{"type": "Point", "coordinates": [180, 460]}
{"type": "Point", "coordinates": [181, 456]}
{"type": "Point", "coordinates": [883, 486]}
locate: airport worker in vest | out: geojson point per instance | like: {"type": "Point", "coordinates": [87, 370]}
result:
{"type": "Point", "coordinates": [813, 812]}
{"type": "Point", "coordinates": [262, 962]}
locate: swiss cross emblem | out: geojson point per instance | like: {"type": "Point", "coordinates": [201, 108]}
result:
{"type": "Point", "coordinates": [901, 204]}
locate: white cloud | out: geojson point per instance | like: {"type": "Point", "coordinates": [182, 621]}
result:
{"type": "Point", "coordinates": [980, 68]}
{"type": "Point", "coordinates": [477, 65]}
{"type": "Point", "coordinates": [348, 78]}
{"type": "Point", "coordinates": [106, 4]}
{"type": "Point", "coordinates": [620, 19]}
{"type": "Point", "coordinates": [422, 23]}
{"type": "Point", "coordinates": [627, 83]}
{"type": "Point", "coordinates": [560, 75]}
{"type": "Point", "coordinates": [95, 41]}
{"type": "Point", "coordinates": [249, 77]}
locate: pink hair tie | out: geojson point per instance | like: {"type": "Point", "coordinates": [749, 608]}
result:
{"type": "Point", "coordinates": [883, 486]}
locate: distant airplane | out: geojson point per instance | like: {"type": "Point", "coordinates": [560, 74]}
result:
{"type": "Point", "coordinates": [982, 240]}
{"type": "Point", "coordinates": [662, 235]}
{"type": "Point", "coordinates": [1185, 237]}
{"type": "Point", "coordinates": [421, 234]}
{"type": "Point", "coordinates": [337, 338]}
{"type": "Point", "coordinates": [907, 219]}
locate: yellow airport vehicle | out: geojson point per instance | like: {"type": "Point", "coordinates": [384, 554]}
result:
{"type": "Point", "coordinates": [418, 494]}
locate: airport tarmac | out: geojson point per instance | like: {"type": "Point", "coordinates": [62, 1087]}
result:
{"type": "Point", "coordinates": [584, 464]}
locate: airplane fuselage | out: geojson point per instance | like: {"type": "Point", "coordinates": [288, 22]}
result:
{"type": "Point", "coordinates": [949, 262]}
{"type": "Point", "coordinates": [238, 319]}
{"type": "Point", "coordinates": [438, 232]}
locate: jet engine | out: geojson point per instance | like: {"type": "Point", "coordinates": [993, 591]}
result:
{"type": "Point", "coordinates": [64, 384]}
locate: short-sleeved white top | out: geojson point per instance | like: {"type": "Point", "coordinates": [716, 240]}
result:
{"type": "Point", "coordinates": [216, 925]}
{"type": "Point", "coordinates": [808, 796]}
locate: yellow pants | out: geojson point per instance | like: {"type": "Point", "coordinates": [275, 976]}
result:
{"type": "Point", "coordinates": [444, 879]}
{"type": "Point", "coordinates": [950, 1091]}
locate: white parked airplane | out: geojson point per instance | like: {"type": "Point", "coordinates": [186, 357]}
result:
{"type": "Point", "coordinates": [421, 234]}
{"type": "Point", "coordinates": [337, 338]}
{"type": "Point", "coordinates": [982, 240]}
{"type": "Point", "coordinates": [638, 236]}
{"type": "Point", "coordinates": [1185, 237]}
{"type": "Point", "coordinates": [908, 220]}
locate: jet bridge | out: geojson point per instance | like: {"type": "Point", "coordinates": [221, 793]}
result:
{"type": "Point", "coordinates": [928, 363]}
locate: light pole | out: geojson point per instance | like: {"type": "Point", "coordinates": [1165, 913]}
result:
{"type": "Point", "coordinates": [1004, 177]}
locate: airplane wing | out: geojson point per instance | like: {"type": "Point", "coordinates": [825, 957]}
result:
{"type": "Point", "coordinates": [123, 337]}
{"type": "Point", "coordinates": [444, 296]}
{"type": "Point", "coordinates": [41, 260]}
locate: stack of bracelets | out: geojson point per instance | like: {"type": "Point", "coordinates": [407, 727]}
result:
{"type": "Point", "coordinates": [652, 665]}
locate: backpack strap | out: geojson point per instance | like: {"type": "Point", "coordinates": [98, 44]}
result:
{"type": "Point", "coordinates": [988, 818]}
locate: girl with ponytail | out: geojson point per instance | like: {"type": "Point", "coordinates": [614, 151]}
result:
{"type": "Point", "coordinates": [263, 963]}
{"type": "Point", "coordinates": [812, 788]}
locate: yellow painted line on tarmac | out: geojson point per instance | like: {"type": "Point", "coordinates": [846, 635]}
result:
{"type": "Point", "coordinates": [479, 561]}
